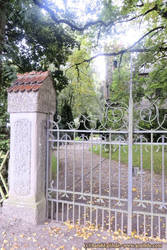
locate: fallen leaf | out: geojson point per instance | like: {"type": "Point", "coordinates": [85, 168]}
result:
{"type": "Point", "coordinates": [61, 247]}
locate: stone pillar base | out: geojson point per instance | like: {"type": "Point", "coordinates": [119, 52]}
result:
{"type": "Point", "coordinates": [34, 213]}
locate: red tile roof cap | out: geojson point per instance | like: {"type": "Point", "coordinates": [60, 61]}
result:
{"type": "Point", "coordinates": [31, 81]}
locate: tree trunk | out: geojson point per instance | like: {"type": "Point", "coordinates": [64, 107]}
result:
{"type": "Point", "coordinates": [3, 8]}
{"type": "Point", "coordinates": [108, 82]}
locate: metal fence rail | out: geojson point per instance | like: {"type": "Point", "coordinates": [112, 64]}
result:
{"type": "Point", "coordinates": [3, 182]}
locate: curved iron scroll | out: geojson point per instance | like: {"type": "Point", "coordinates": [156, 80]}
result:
{"type": "Point", "coordinates": [114, 116]}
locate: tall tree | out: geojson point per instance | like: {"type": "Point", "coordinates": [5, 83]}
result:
{"type": "Point", "coordinates": [25, 47]}
{"type": "Point", "coordinates": [3, 20]}
{"type": "Point", "coordinates": [81, 93]}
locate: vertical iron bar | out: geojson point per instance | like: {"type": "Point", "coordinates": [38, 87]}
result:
{"type": "Point", "coordinates": [47, 165]}
{"type": "Point", "coordinates": [68, 211]}
{"type": "Point", "coordinates": [122, 222]}
{"type": "Point", "coordinates": [79, 215]}
{"type": "Point", "coordinates": [82, 167]}
{"type": "Point", "coordinates": [119, 173]}
{"type": "Point", "coordinates": [141, 169]}
{"type": "Point", "coordinates": [102, 218]}
{"type": "Point", "coordinates": [57, 181]}
{"type": "Point", "coordinates": [163, 171]}
{"type": "Point", "coordinates": [100, 171]}
{"type": "Point", "coordinates": [130, 156]}
{"type": "Point", "coordinates": [109, 200]}
{"type": "Point", "coordinates": [65, 179]}
{"type": "Point", "coordinates": [74, 178]}
{"type": "Point", "coordinates": [137, 224]}
{"type": "Point", "coordinates": [96, 217]}
{"type": "Point", "coordinates": [62, 215]}
{"type": "Point", "coordinates": [152, 169]}
{"type": "Point", "coordinates": [84, 215]}
{"type": "Point", "coordinates": [144, 224]}
{"type": "Point", "coordinates": [91, 178]}
{"type": "Point", "coordinates": [166, 227]}
{"type": "Point", "coordinates": [159, 227]}
{"type": "Point", "coordinates": [115, 221]}
{"type": "Point", "coordinates": [51, 210]}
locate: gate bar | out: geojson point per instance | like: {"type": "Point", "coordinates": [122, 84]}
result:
{"type": "Point", "coordinates": [130, 156]}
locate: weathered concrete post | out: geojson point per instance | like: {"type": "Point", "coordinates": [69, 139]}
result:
{"type": "Point", "coordinates": [31, 100]}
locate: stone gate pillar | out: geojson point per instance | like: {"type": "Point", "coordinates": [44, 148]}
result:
{"type": "Point", "coordinates": [31, 100]}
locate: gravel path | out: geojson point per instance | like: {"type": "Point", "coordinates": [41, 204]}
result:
{"type": "Point", "coordinates": [15, 234]}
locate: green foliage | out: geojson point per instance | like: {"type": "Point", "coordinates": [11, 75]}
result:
{"type": "Point", "coordinates": [119, 89]}
{"type": "Point", "coordinates": [109, 11]}
{"type": "Point", "coordinates": [129, 6]}
{"type": "Point", "coordinates": [32, 42]}
{"type": "Point", "coordinates": [9, 73]}
{"type": "Point", "coordinates": [153, 14]}
{"type": "Point", "coordinates": [49, 45]}
{"type": "Point", "coordinates": [35, 47]}
{"type": "Point", "coordinates": [54, 166]}
{"type": "Point", "coordinates": [157, 120]}
{"type": "Point", "coordinates": [80, 94]}
{"type": "Point", "coordinates": [66, 116]}
{"type": "Point", "coordinates": [84, 124]}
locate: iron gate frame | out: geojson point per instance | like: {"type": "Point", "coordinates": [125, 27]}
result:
{"type": "Point", "coordinates": [53, 128]}
{"type": "Point", "coordinates": [130, 212]}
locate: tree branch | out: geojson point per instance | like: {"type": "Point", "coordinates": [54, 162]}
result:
{"type": "Point", "coordinates": [131, 49]}
{"type": "Point", "coordinates": [70, 24]}
{"type": "Point", "coordinates": [145, 35]}
{"type": "Point", "coordinates": [141, 15]}
{"type": "Point", "coordinates": [73, 26]}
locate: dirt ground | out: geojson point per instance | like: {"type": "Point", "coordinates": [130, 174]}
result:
{"type": "Point", "coordinates": [15, 234]}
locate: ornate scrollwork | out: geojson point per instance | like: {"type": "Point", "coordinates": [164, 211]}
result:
{"type": "Point", "coordinates": [150, 116]}
{"type": "Point", "coordinates": [161, 140]}
{"type": "Point", "coordinates": [54, 125]}
{"type": "Point", "coordinates": [65, 138]}
{"type": "Point", "coordinates": [118, 141]}
{"type": "Point", "coordinates": [111, 116]}
{"type": "Point", "coordinates": [115, 116]}
{"type": "Point", "coordinates": [141, 140]}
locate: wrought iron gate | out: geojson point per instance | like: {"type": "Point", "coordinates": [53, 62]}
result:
{"type": "Point", "coordinates": [113, 176]}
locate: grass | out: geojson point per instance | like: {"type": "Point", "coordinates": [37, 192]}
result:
{"type": "Point", "coordinates": [78, 138]}
{"type": "Point", "coordinates": [146, 151]}
{"type": "Point", "coordinates": [54, 166]}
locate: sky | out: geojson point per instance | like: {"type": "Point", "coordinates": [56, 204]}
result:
{"type": "Point", "coordinates": [127, 39]}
